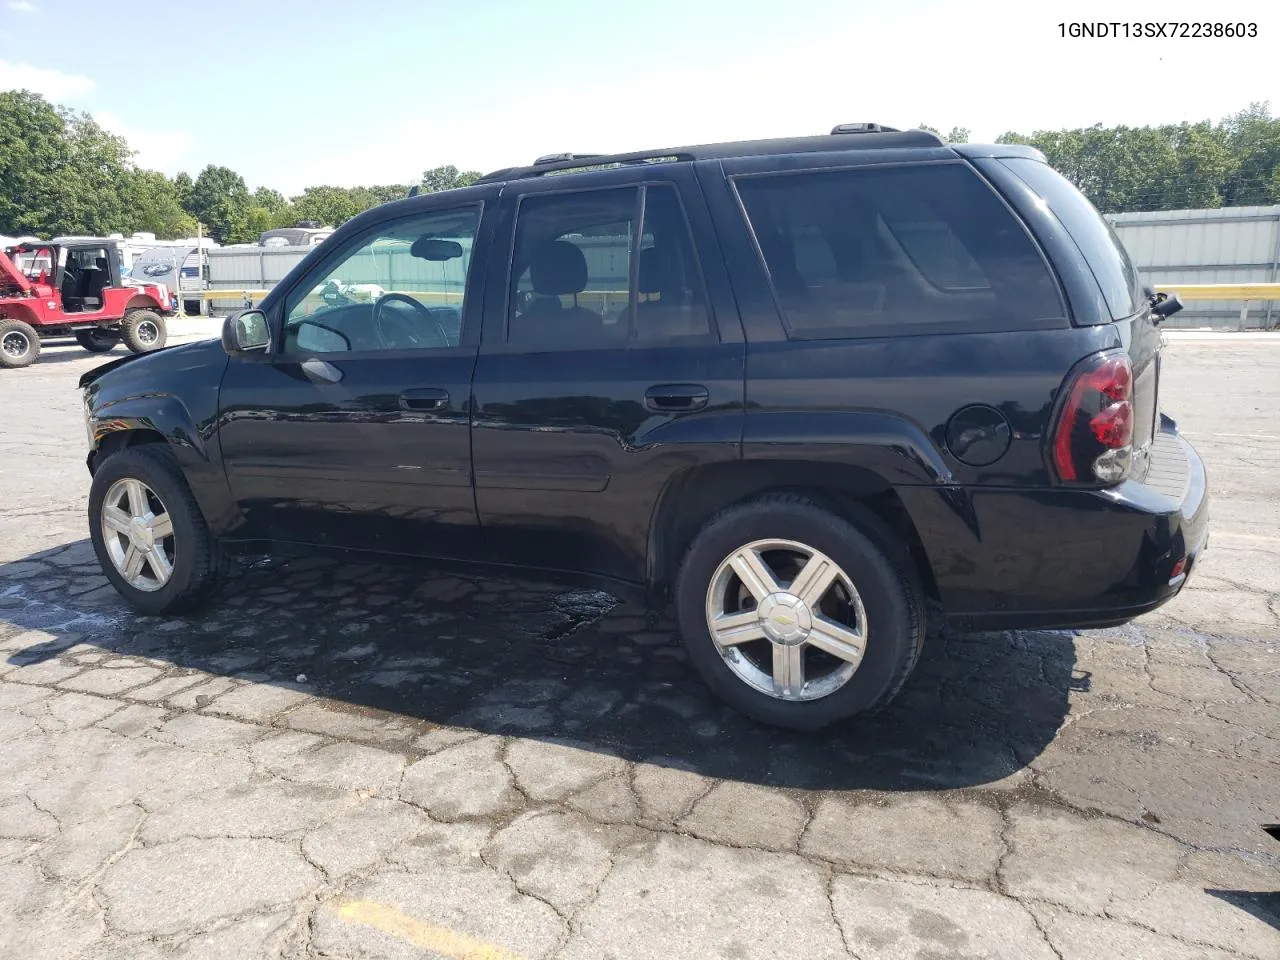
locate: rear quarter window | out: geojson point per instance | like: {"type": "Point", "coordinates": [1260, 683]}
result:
{"type": "Point", "coordinates": [896, 250]}
{"type": "Point", "coordinates": [1097, 241]}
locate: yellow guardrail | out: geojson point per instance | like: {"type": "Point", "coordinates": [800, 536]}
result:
{"type": "Point", "coordinates": [1222, 291]}
{"type": "Point", "coordinates": [1246, 293]}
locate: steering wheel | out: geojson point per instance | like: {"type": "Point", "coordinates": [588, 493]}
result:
{"type": "Point", "coordinates": [384, 320]}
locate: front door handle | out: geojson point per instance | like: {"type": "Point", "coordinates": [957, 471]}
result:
{"type": "Point", "coordinates": [424, 398]}
{"type": "Point", "coordinates": [673, 397]}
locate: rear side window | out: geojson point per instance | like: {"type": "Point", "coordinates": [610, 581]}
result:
{"type": "Point", "coordinates": [897, 250]}
{"type": "Point", "coordinates": [1098, 243]}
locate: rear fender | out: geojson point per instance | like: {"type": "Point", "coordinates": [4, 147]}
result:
{"type": "Point", "coordinates": [888, 446]}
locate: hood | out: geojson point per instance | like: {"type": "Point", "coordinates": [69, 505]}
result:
{"type": "Point", "coordinates": [165, 359]}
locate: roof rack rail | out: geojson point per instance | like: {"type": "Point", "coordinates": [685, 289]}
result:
{"type": "Point", "coordinates": [555, 162]}
{"type": "Point", "coordinates": [838, 139]}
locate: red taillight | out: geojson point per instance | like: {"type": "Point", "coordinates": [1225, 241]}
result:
{"type": "Point", "coordinates": [1093, 434]}
{"type": "Point", "coordinates": [1113, 425]}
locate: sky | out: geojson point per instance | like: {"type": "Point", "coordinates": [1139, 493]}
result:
{"type": "Point", "coordinates": [295, 93]}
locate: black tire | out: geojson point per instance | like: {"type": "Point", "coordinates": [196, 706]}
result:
{"type": "Point", "coordinates": [880, 572]}
{"type": "Point", "coordinates": [19, 344]}
{"type": "Point", "coordinates": [143, 331]}
{"type": "Point", "coordinates": [197, 567]}
{"type": "Point", "coordinates": [97, 339]}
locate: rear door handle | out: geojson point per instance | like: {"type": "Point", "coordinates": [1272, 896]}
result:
{"type": "Point", "coordinates": [670, 397]}
{"type": "Point", "coordinates": [424, 398]}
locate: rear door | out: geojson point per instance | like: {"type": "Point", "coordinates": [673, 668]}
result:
{"type": "Point", "coordinates": [611, 361]}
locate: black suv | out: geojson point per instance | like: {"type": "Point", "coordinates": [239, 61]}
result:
{"type": "Point", "coordinates": [819, 393]}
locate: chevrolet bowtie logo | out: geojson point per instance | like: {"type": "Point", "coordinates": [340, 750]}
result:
{"type": "Point", "coordinates": [782, 618]}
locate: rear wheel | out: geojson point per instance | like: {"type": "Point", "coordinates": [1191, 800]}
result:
{"type": "Point", "coordinates": [143, 331]}
{"type": "Point", "coordinates": [148, 532]}
{"type": "Point", "coordinates": [97, 339]}
{"type": "Point", "coordinates": [19, 344]}
{"type": "Point", "coordinates": [795, 615]}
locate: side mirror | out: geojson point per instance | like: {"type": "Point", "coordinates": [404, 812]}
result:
{"type": "Point", "coordinates": [246, 332]}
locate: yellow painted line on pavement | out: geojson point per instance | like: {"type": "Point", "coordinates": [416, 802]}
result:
{"type": "Point", "coordinates": [441, 940]}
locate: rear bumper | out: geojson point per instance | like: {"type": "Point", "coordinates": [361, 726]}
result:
{"type": "Point", "coordinates": [1062, 559]}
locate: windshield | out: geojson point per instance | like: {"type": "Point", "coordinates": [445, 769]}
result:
{"type": "Point", "coordinates": [32, 262]}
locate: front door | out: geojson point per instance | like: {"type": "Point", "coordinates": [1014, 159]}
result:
{"type": "Point", "coordinates": [354, 430]}
{"type": "Point", "coordinates": [612, 362]}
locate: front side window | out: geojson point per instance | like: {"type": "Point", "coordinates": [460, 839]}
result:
{"type": "Point", "coordinates": [886, 251]}
{"type": "Point", "coordinates": [579, 280]}
{"type": "Point", "coordinates": [402, 287]}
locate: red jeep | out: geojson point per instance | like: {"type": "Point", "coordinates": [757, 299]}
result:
{"type": "Point", "coordinates": [74, 286]}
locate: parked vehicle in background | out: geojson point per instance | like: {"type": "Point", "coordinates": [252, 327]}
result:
{"type": "Point", "coordinates": [818, 394]}
{"type": "Point", "coordinates": [72, 286]}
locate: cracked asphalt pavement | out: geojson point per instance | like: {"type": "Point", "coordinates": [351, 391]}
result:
{"type": "Point", "coordinates": [368, 761]}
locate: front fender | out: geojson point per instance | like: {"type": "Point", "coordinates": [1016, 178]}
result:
{"type": "Point", "coordinates": [163, 415]}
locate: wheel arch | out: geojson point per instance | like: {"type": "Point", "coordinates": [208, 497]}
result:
{"type": "Point", "coordinates": [117, 440]}
{"type": "Point", "coordinates": [695, 495]}
{"type": "Point", "coordinates": [142, 301]}
{"type": "Point", "coordinates": [151, 420]}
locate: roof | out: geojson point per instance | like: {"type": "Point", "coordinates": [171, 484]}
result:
{"type": "Point", "coordinates": [844, 137]}
{"type": "Point", "coordinates": [62, 241]}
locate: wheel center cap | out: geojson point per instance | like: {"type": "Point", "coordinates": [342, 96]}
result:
{"type": "Point", "coordinates": [140, 534]}
{"type": "Point", "coordinates": [785, 618]}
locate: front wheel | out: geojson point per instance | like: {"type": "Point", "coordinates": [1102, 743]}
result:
{"type": "Point", "coordinates": [148, 532]}
{"type": "Point", "coordinates": [795, 615]}
{"type": "Point", "coordinates": [97, 339]}
{"type": "Point", "coordinates": [19, 344]}
{"type": "Point", "coordinates": [143, 331]}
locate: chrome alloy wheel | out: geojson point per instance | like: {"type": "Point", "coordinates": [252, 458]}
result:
{"type": "Point", "coordinates": [148, 333]}
{"type": "Point", "coordinates": [16, 344]}
{"type": "Point", "coordinates": [786, 619]}
{"type": "Point", "coordinates": [138, 534]}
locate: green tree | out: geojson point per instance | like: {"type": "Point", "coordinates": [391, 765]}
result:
{"type": "Point", "coordinates": [1253, 136]}
{"type": "Point", "coordinates": [257, 221]}
{"type": "Point", "coordinates": [272, 201]}
{"type": "Point", "coordinates": [33, 151]}
{"type": "Point", "coordinates": [60, 172]}
{"type": "Point", "coordinates": [958, 135]}
{"type": "Point", "coordinates": [447, 177]}
{"type": "Point", "coordinates": [1205, 165]}
{"type": "Point", "coordinates": [153, 205]}
{"type": "Point", "coordinates": [333, 206]}
{"type": "Point", "coordinates": [183, 186]}
{"type": "Point", "coordinates": [220, 200]}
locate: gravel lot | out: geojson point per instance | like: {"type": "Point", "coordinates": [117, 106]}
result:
{"type": "Point", "coordinates": [359, 761]}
